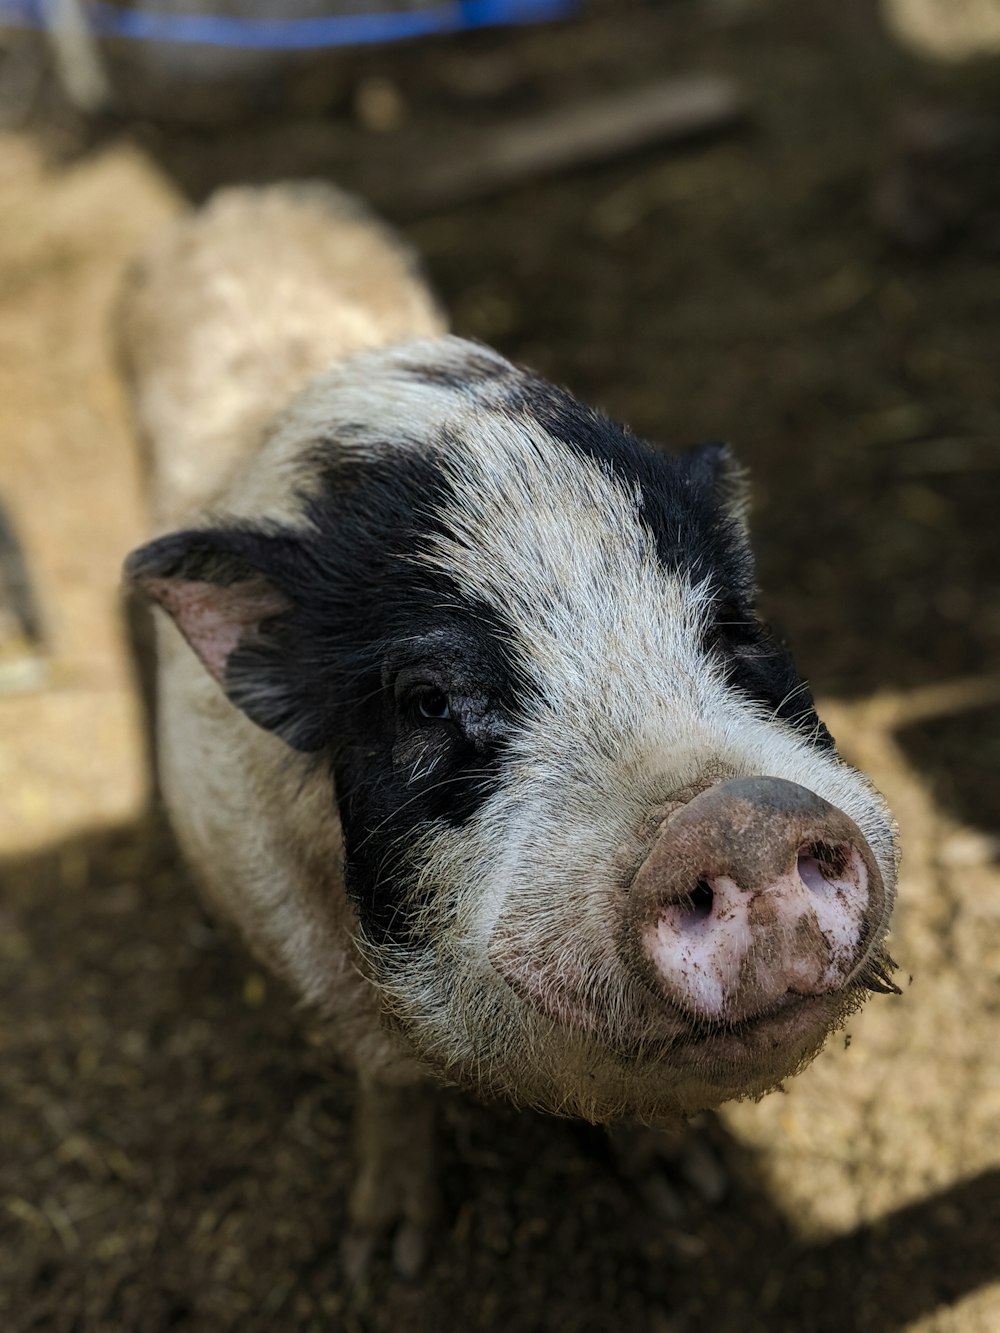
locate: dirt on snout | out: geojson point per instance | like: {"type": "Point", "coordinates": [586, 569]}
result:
{"type": "Point", "coordinates": [174, 1140]}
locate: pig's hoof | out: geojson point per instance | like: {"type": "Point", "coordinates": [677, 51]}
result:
{"type": "Point", "coordinates": [410, 1246]}
{"type": "Point", "coordinates": [410, 1249]}
{"type": "Point", "coordinates": [668, 1170]}
{"type": "Point", "coordinates": [356, 1252]}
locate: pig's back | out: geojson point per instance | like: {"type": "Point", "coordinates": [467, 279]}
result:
{"type": "Point", "coordinates": [236, 308]}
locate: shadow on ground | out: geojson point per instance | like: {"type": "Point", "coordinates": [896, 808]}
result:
{"type": "Point", "coordinates": [176, 1155]}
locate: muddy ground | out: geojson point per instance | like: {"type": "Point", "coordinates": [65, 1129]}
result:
{"type": "Point", "coordinates": [173, 1140]}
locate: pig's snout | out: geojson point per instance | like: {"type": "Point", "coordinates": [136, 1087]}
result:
{"type": "Point", "coordinates": [755, 890]}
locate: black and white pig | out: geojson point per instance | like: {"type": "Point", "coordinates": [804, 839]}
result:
{"type": "Point", "coordinates": [466, 715]}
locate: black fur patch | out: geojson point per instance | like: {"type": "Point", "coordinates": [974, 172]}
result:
{"type": "Point", "coordinates": [372, 614]}
{"type": "Point", "coordinates": [321, 674]}
{"type": "Point", "coordinates": [693, 504]}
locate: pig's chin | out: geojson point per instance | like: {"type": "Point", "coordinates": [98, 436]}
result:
{"type": "Point", "coordinates": [701, 1062]}
{"type": "Point", "coordinates": [765, 1048]}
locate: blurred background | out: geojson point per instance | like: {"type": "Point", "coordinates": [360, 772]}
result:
{"type": "Point", "coordinates": [775, 222]}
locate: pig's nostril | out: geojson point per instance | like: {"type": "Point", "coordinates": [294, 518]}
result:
{"type": "Point", "coordinates": [687, 911]}
{"type": "Point", "coordinates": [819, 865]}
{"type": "Point", "coordinates": [701, 899]}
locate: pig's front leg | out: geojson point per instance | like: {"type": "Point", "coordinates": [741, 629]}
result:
{"type": "Point", "coordinates": [395, 1191]}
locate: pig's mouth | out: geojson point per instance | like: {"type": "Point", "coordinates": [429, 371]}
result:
{"type": "Point", "coordinates": [781, 1038]}
{"type": "Point", "coordinates": [656, 1032]}
{"type": "Point", "coordinates": [790, 1020]}
{"type": "Point", "coordinates": [661, 1060]}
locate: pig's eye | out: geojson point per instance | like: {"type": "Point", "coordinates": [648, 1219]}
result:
{"type": "Point", "coordinates": [433, 705]}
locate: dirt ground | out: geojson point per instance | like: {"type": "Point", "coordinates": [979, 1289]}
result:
{"type": "Point", "coordinates": [173, 1138]}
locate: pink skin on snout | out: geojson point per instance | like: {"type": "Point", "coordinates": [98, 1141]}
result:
{"type": "Point", "coordinates": [755, 891]}
{"type": "Point", "coordinates": [707, 953]}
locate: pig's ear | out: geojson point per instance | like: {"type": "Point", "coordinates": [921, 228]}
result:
{"type": "Point", "coordinates": [716, 467]}
{"type": "Point", "coordinates": [714, 471]}
{"type": "Point", "coordinates": [226, 590]}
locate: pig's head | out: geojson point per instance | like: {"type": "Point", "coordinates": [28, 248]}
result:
{"type": "Point", "coordinates": [604, 857]}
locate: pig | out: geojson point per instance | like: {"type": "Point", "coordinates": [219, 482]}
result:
{"type": "Point", "coordinates": [466, 715]}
